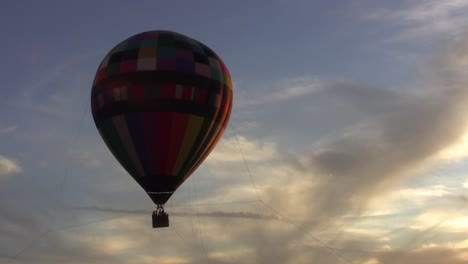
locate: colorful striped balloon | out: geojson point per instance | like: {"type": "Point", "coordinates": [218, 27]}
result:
{"type": "Point", "coordinates": [161, 101]}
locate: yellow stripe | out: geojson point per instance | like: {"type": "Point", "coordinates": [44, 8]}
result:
{"type": "Point", "coordinates": [208, 149]}
{"type": "Point", "coordinates": [214, 133]}
{"type": "Point", "coordinates": [191, 133]}
{"type": "Point", "coordinates": [208, 132]}
{"type": "Point", "coordinates": [203, 140]}
{"type": "Point", "coordinates": [121, 126]}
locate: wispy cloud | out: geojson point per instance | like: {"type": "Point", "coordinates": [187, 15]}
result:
{"type": "Point", "coordinates": [87, 159]}
{"type": "Point", "coordinates": [423, 18]}
{"type": "Point", "coordinates": [457, 151]}
{"type": "Point", "coordinates": [189, 213]}
{"type": "Point", "coordinates": [283, 91]}
{"type": "Point", "coordinates": [432, 255]}
{"type": "Point", "coordinates": [8, 167]}
{"type": "Point", "coordinates": [238, 148]}
{"type": "Point", "coordinates": [8, 129]}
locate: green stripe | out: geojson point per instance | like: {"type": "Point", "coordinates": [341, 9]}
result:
{"type": "Point", "coordinates": [189, 162]}
{"type": "Point", "coordinates": [113, 141]}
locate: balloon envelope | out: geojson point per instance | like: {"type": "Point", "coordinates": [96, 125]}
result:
{"type": "Point", "coordinates": [161, 101]}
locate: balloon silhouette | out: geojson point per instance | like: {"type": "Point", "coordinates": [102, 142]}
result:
{"type": "Point", "coordinates": [161, 101]}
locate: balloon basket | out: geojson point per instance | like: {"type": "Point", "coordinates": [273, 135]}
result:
{"type": "Point", "coordinates": [160, 218]}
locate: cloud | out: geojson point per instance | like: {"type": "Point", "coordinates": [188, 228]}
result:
{"type": "Point", "coordinates": [423, 18]}
{"type": "Point", "coordinates": [237, 148]}
{"type": "Point", "coordinates": [283, 91]}
{"type": "Point", "coordinates": [397, 135]}
{"type": "Point", "coordinates": [457, 151]}
{"type": "Point", "coordinates": [8, 129]}
{"type": "Point", "coordinates": [400, 136]}
{"type": "Point", "coordinates": [433, 255]}
{"type": "Point", "coordinates": [218, 214]}
{"type": "Point", "coordinates": [327, 192]}
{"type": "Point", "coordinates": [8, 167]}
{"type": "Point", "coordinates": [87, 159]}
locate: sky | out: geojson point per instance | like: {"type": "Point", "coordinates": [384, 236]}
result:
{"type": "Point", "coordinates": [348, 141]}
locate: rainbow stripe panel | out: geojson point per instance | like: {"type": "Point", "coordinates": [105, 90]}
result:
{"type": "Point", "coordinates": [161, 101]}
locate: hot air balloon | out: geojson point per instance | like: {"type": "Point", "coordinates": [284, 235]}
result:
{"type": "Point", "coordinates": [161, 101]}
